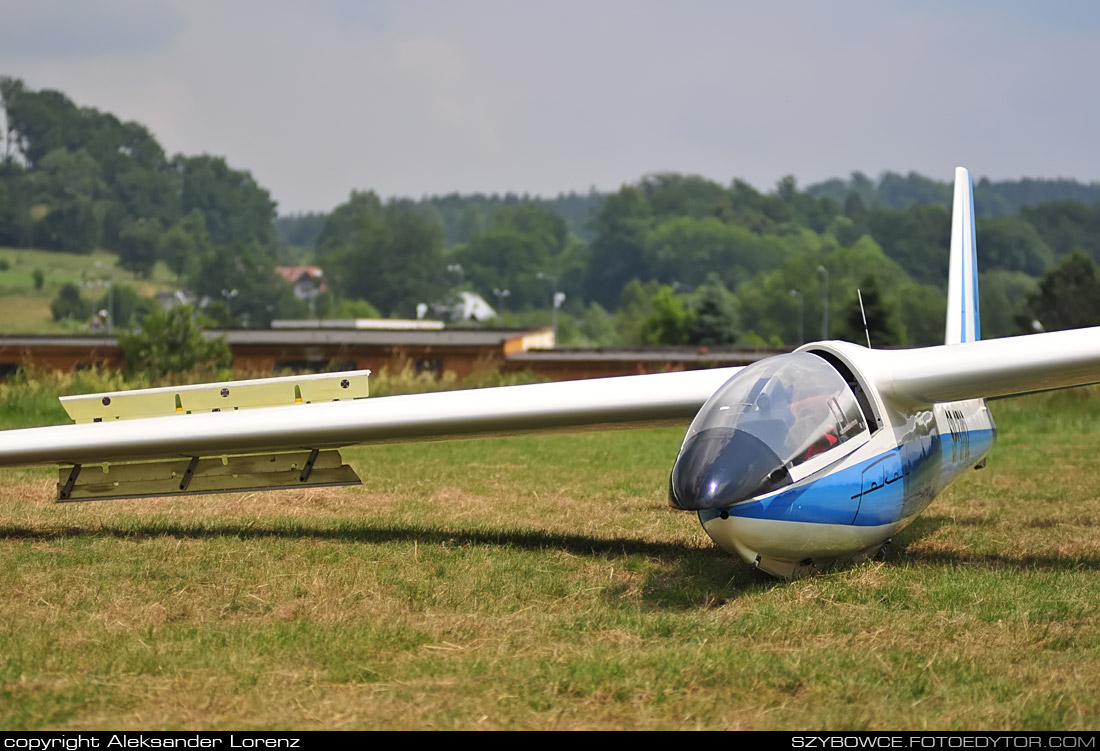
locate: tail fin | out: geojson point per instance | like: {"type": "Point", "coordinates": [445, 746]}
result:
{"type": "Point", "coordinates": [963, 320]}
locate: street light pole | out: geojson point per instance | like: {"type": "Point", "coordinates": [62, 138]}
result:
{"type": "Point", "coordinates": [555, 301]}
{"type": "Point", "coordinates": [825, 309]}
{"type": "Point", "coordinates": [801, 318]}
{"type": "Point", "coordinates": [110, 297]}
{"type": "Point", "coordinates": [229, 294]}
{"type": "Point", "coordinates": [501, 294]}
{"type": "Point", "coordinates": [457, 269]}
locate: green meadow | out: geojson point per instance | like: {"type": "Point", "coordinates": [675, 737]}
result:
{"type": "Point", "coordinates": [26, 310]}
{"type": "Point", "coordinates": [543, 583]}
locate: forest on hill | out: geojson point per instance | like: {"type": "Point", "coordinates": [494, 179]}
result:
{"type": "Point", "coordinates": [667, 259]}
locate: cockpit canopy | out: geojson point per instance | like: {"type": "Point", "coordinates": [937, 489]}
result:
{"type": "Point", "coordinates": [768, 419]}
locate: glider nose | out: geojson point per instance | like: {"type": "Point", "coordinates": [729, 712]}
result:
{"type": "Point", "coordinates": [721, 466]}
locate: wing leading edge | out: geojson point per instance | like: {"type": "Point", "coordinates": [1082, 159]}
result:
{"type": "Point", "coordinates": [989, 368]}
{"type": "Point", "coordinates": [628, 401]}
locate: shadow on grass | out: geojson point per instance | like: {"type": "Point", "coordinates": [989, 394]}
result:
{"type": "Point", "coordinates": [684, 577]}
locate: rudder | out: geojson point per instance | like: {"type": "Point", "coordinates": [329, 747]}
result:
{"type": "Point", "coordinates": [963, 315]}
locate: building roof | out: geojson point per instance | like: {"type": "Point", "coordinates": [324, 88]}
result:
{"type": "Point", "coordinates": [57, 340]}
{"type": "Point", "coordinates": [393, 324]}
{"type": "Point", "coordinates": [294, 273]}
{"type": "Point", "coordinates": [411, 338]}
{"type": "Point", "coordinates": [704, 356]}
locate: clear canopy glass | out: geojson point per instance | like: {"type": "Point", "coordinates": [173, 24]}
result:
{"type": "Point", "coordinates": [798, 405]}
{"type": "Point", "coordinates": [769, 418]}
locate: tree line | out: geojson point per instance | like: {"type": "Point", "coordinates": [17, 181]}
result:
{"type": "Point", "coordinates": [75, 179]}
{"type": "Point", "coordinates": [668, 259]}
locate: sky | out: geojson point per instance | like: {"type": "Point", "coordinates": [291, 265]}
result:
{"type": "Point", "coordinates": [421, 97]}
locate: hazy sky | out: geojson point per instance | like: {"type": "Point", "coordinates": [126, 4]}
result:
{"type": "Point", "coordinates": [417, 97]}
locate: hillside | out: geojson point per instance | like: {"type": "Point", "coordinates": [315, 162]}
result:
{"type": "Point", "coordinates": [25, 309]}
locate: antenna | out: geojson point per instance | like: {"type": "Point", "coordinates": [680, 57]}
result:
{"type": "Point", "coordinates": [863, 313]}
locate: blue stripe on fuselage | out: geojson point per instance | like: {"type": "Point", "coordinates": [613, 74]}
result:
{"type": "Point", "coordinates": [887, 488]}
{"type": "Point", "coordinates": [974, 268]}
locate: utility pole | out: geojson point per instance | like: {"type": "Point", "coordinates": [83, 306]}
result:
{"type": "Point", "coordinates": [556, 299]}
{"type": "Point", "coordinates": [456, 268]}
{"type": "Point", "coordinates": [501, 294]}
{"type": "Point", "coordinates": [825, 309]}
{"type": "Point", "coordinates": [801, 317]}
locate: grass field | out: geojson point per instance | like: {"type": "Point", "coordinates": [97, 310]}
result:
{"type": "Point", "coordinates": [25, 310]}
{"type": "Point", "coordinates": [543, 583]}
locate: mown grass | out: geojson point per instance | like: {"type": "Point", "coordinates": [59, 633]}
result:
{"type": "Point", "coordinates": [543, 583]}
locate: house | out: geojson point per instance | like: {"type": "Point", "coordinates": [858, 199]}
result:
{"type": "Point", "coordinates": [169, 300]}
{"type": "Point", "coordinates": [465, 306]}
{"type": "Point", "coordinates": [307, 281]}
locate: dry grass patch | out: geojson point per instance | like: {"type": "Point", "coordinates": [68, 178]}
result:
{"type": "Point", "coordinates": [542, 583]}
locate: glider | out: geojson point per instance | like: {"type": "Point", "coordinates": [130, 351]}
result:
{"type": "Point", "coordinates": [794, 463]}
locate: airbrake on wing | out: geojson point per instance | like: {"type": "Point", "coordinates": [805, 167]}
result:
{"type": "Point", "coordinates": [224, 474]}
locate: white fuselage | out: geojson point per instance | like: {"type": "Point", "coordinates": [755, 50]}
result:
{"type": "Point", "coordinates": [851, 507]}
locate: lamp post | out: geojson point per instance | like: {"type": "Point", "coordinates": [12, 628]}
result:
{"type": "Point", "coordinates": [556, 299]}
{"type": "Point", "coordinates": [456, 268]}
{"type": "Point", "coordinates": [110, 298]}
{"type": "Point", "coordinates": [229, 294]}
{"type": "Point", "coordinates": [825, 309]}
{"type": "Point", "coordinates": [501, 294]}
{"type": "Point", "coordinates": [801, 318]}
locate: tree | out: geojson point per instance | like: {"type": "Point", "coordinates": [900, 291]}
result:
{"type": "Point", "coordinates": [1012, 243]}
{"type": "Point", "coordinates": [545, 227]}
{"type": "Point", "coordinates": [884, 326]}
{"type": "Point", "coordinates": [671, 194]}
{"type": "Point", "coordinates": [635, 305]}
{"type": "Point", "coordinates": [669, 321]}
{"type": "Point", "coordinates": [138, 192]}
{"type": "Point", "coordinates": [243, 276]}
{"type": "Point", "coordinates": [347, 222]}
{"type": "Point", "coordinates": [618, 251]}
{"type": "Point", "coordinates": [185, 243]}
{"type": "Point", "coordinates": [172, 342]}
{"type": "Point", "coordinates": [471, 224]}
{"type": "Point", "coordinates": [132, 175]}
{"type": "Point", "coordinates": [917, 239]}
{"type": "Point", "coordinates": [786, 188]}
{"type": "Point", "coordinates": [15, 206]}
{"type": "Point", "coordinates": [505, 258]}
{"type": "Point", "coordinates": [68, 186]}
{"type": "Point", "coordinates": [1066, 226]}
{"type": "Point", "coordinates": [139, 245]}
{"type": "Point", "coordinates": [125, 307]}
{"type": "Point", "coordinates": [391, 255]}
{"type": "Point", "coordinates": [715, 314]}
{"type": "Point", "coordinates": [1003, 297]}
{"type": "Point", "coordinates": [688, 250]}
{"type": "Point", "coordinates": [235, 207]}
{"type": "Point", "coordinates": [354, 309]}
{"type": "Point", "coordinates": [1068, 296]}
{"type": "Point", "coordinates": [69, 305]}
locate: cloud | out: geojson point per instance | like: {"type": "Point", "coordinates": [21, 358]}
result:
{"type": "Point", "coordinates": [417, 97]}
{"type": "Point", "coordinates": [53, 29]}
